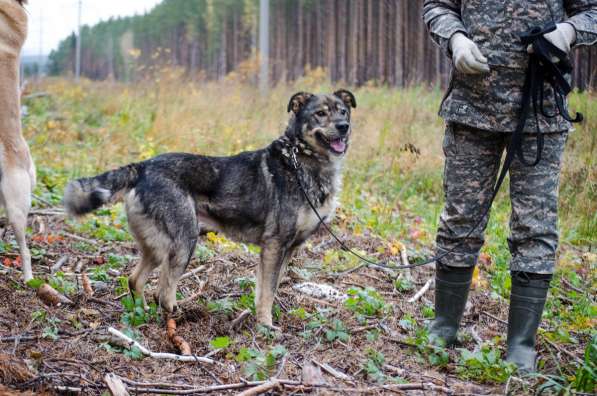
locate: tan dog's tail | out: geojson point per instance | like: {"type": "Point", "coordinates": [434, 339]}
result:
{"type": "Point", "coordinates": [82, 196]}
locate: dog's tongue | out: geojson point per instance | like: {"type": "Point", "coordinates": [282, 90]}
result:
{"type": "Point", "coordinates": [338, 145]}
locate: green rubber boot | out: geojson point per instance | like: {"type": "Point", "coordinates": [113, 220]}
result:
{"type": "Point", "coordinates": [527, 299]}
{"type": "Point", "coordinates": [451, 291]}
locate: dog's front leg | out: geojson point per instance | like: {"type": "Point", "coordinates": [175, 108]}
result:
{"type": "Point", "coordinates": [273, 256]}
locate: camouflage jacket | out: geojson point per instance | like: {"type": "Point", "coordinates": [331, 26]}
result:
{"type": "Point", "coordinates": [492, 101]}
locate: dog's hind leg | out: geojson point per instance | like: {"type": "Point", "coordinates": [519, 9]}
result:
{"type": "Point", "coordinates": [143, 269]}
{"type": "Point", "coordinates": [269, 271]}
{"type": "Point", "coordinates": [152, 242]}
{"type": "Point", "coordinates": [172, 270]}
{"type": "Point", "coordinates": [16, 191]}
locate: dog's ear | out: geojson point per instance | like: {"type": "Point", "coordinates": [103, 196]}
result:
{"type": "Point", "coordinates": [347, 97]}
{"type": "Point", "coordinates": [297, 101]}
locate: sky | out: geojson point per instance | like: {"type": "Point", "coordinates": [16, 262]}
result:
{"type": "Point", "coordinates": [52, 20]}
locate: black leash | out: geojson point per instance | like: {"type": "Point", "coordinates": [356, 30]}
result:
{"type": "Point", "coordinates": [547, 65]}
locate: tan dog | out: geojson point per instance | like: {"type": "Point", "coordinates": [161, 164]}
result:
{"type": "Point", "coordinates": [17, 172]}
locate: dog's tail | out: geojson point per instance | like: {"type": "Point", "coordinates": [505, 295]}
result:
{"type": "Point", "coordinates": [82, 196]}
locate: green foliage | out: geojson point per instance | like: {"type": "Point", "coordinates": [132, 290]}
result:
{"type": "Point", "coordinates": [35, 283]}
{"type": "Point", "coordinates": [133, 352]}
{"type": "Point", "coordinates": [114, 261]}
{"type": "Point", "coordinates": [61, 284]}
{"type": "Point", "coordinates": [336, 331]}
{"type": "Point", "coordinates": [403, 284]}
{"type": "Point", "coordinates": [366, 302]}
{"type": "Point", "coordinates": [484, 365]}
{"type": "Point", "coordinates": [435, 355]}
{"type": "Point", "coordinates": [585, 378]}
{"type": "Point", "coordinates": [374, 364]}
{"type": "Point", "coordinates": [50, 329]}
{"type": "Point", "coordinates": [221, 306]}
{"type": "Point", "coordinates": [428, 311]}
{"type": "Point", "coordinates": [123, 285]}
{"type": "Point", "coordinates": [373, 367]}
{"type": "Point", "coordinates": [258, 365]}
{"type": "Point", "coordinates": [135, 313]}
{"type": "Point", "coordinates": [203, 252]}
{"type": "Point", "coordinates": [107, 224]}
{"type": "Point", "coordinates": [220, 342]}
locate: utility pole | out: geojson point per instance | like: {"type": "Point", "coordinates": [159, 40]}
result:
{"type": "Point", "coordinates": [78, 53]}
{"type": "Point", "coordinates": [263, 45]}
{"type": "Point", "coordinates": [40, 62]}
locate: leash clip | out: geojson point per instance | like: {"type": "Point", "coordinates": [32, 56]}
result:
{"type": "Point", "coordinates": [293, 158]}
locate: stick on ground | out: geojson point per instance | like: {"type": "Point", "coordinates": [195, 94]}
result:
{"type": "Point", "coordinates": [422, 291]}
{"type": "Point", "coordinates": [259, 389]}
{"type": "Point", "coordinates": [115, 385]}
{"type": "Point", "coordinates": [158, 355]}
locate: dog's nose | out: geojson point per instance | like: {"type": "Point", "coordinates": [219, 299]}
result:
{"type": "Point", "coordinates": [342, 127]}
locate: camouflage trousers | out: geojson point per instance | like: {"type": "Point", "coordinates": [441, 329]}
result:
{"type": "Point", "coordinates": [471, 168]}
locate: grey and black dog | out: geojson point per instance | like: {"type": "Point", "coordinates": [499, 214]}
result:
{"type": "Point", "coordinates": [251, 197]}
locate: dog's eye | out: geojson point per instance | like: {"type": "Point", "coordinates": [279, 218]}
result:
{"type": "Point", "coordinates": [321, 113]}
{"type": "Point", "coordinates": [343, 111]}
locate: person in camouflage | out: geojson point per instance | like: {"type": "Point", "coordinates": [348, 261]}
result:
{"type": "Point", "coordinates": [481, 111]}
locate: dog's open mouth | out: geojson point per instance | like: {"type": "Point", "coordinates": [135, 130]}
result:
{"type": "Point", "coordinates": [336, 145]}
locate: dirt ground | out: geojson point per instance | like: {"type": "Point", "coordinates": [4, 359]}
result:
{"type": "Point", "coordinates": [65, 350]}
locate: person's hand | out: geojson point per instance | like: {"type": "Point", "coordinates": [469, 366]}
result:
{"type": "Point", "coordinates": [562, 37]}
{"type": "Point", "coordinates": [466, 55]}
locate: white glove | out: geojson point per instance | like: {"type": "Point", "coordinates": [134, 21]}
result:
{"type": "Point", "coordinates": [466, 55]}
{"type": "Point", "coordinates": [562, 37]}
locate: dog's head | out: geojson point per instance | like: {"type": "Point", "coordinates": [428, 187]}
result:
{"type": "Point", "coordinates": [322, 122]}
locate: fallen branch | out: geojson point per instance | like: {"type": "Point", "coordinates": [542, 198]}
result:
{"type": "Point", "coordinates": [79, 266]}
{"type": "Point", "coordinates": [79, 238]}
{"type": "Point", "coordinates": [494, 317]}
{"type": "Point", "coordinates": [42, 200]}
{"type": "Point", "coordinates": [193, 272]}
{"type": "Point", "coordinates": [333, 372]}
{"type": "Point", "coordinates": [422, 291]}
{"type": "Point", "coordinates": [158, 355]}
{"type": "Point", "coordinates": [207, 389]}
{"type": "Point", "coordinates": [562, 350]}
{"type": "Point", "coordinates": [178, 341]}
{"type": "Point", "coordinates": [115, 385]}
{"type": "Point", "coordinates": [259, 389]}
{"type": "Point", "coordinates": [50, 296]}
{"type": "Point", "coordinates": [236, 323]}
{"type": "Point", "coordinates": [56, 267]}
{"type": "Point", "coordinates": [311, 374]}
{"type": "Point", "coordinates": [47, 212]}
{"type": "Point", "coordinates": [290, 384]}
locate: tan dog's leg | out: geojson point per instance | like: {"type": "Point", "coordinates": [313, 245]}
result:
{"type": "Point", "coordinates": [18, 174]}
{"type": "Point", "coordinates": [269, 270]}
{"type": "Point", "coordinates": [16, 190]}
{"type": "Point", "coordinates": [170, 273]}
{"type": "Point", "coordinates": [138, 278]}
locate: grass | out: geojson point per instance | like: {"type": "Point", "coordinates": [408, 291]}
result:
{"type": "Point", "coordinates": [392, 195]}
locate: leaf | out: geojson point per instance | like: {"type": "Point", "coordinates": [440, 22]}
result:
{"type": "Point", "coordinates": [279, 350]}
{"type": "Point", "coordinates": [35, 283]}
{"type": "Point", "coordinates": [220, 342]}
{"type": "Point", "coordinates": [244, 354]}
{"type": "Point", "coordinates": [134, 353]}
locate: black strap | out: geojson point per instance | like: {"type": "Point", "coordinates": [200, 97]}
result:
{"type": "Point", "coordinates": [547, 65]}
